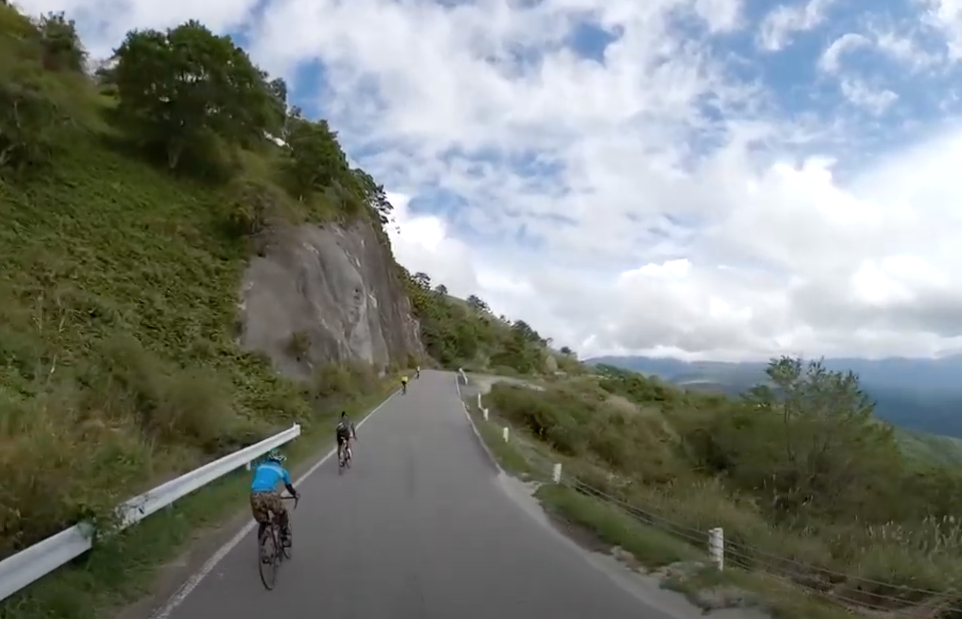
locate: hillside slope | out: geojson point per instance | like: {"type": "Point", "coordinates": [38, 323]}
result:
{"type": "Point", "coordinates": [123, 356]}
{"type": "Point", "coordinates": [806, 485]}
{"type": "Point", "coordinates": [175, 283]}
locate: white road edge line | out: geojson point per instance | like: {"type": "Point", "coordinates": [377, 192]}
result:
{"type": "Point", "coordinates": [474, 428]}
{"type": "Point", "coordinates": [191, 583]}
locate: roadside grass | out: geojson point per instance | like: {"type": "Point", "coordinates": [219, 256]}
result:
{"type": "Point", "coordinates": [680, 565]}
{"type": "Point", "coordinates": [678, 559]}
{"type": "Point", "coordinates": [121, 570]}
{"type": "Point", "coordinates": [508, 457]}
{"type": "Point", "coordinates": [652, 547]}
{"type": "Point", "coordinates": [506, 454]}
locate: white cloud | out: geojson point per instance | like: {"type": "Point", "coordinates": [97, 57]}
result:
{"type": "Point", "coordinates": [857, 91]}
{"type": "Point", "coordinates": [686, 207]}
{"type": "Point", "coordinates": [847, 42]}
{"type": "Point", "coordinates": [422, 243]}
{"type": "Point", "coordinates": [782, 22]}
{"type": "Point", "coordinates": [877, 100]}
{"type": "Point", "coordinates": [905, 49]}
{"type": "Point", "coordinates": [946, 16]}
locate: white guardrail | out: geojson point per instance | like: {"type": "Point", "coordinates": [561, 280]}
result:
{"type": "Point", "coordinates": [32, 564]}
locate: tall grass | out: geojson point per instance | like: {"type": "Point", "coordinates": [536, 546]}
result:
{"type": "Point", "coordinates": [634, 458]}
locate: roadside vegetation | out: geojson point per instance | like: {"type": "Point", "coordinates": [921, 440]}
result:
{"type": "Point", "coordinates": [466, 334]}
{"type": "Point", "coordinates": [814, 494]}
{"type": "Point", "coordinates": [133, 190]}
{"type": "Point", "coordinates": [131, 198]}
{"type": "Point", "coordinates": [130, 202]}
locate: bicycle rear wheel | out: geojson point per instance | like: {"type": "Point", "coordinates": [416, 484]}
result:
{"type": "Point", "coordinates": [268, 557]}
{"type": "Point", "coordinates": [290, 538]}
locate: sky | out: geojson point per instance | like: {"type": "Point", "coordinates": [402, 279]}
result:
{"type": "Point", "coordinates": [703, 179]}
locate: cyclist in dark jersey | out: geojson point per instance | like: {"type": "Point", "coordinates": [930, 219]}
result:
{"type": "Point", "coordinates": [345, 431]}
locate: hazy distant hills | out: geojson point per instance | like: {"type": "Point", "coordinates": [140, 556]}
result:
{"type": "Point", "coordinates": [917, 394]}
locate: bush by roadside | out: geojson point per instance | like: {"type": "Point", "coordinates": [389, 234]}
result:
{"type": "Point", "coordinates": [702, 461]}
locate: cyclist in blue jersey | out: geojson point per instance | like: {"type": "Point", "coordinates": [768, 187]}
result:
{"type": "Point", "coordinates": [264, 495]}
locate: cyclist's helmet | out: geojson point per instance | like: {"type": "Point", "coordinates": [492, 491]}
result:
{"type": "Point", "coordinates": [275, 455]}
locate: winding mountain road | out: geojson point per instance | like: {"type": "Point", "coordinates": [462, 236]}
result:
{"type": "Point", "coordinates": [422, 527]}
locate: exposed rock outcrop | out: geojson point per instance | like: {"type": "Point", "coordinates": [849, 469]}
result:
{"type": "Point", "coordinates": [329, 293]}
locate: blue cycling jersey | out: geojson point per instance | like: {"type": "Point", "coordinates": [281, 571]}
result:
{"type": "Point", "coordinates": [267, 476]}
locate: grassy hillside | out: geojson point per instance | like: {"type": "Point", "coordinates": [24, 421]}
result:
{"type": "Point", "coordinates": [466, 334]}
{"type": "Point", "coordinates": [122, 246]}
{"type": "Point", "coordinates": [807, 485]}
{"type": "Point", "coordinates": [131, 201]}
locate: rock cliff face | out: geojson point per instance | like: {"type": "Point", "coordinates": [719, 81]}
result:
{"type": "Point", "coordinates": [330, 293]}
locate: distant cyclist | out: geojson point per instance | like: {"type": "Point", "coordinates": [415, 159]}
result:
{"type": "Point", "coordinates": [265, 498]}
{"type": "Point", "coordinates": [345, 431]}
{"type": "Point", "coordinates": [404, 384]}
{"type": "Point", "coordinates": [417, 372]}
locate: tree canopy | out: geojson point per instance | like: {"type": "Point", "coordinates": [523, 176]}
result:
{"type": "Point", "coordinates": [181, 88]}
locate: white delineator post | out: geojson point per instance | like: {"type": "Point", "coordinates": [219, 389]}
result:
{"type": "Point", "coordinates": [479, 401]}
{"type": "Point", "coordinates": [556, 473]}
{"type": "Point", "coordinates": [484, 411]}
{"type": "Point", "coordinates": [716, 546]}
{"type": "Point", "coordinates": [504, 433]}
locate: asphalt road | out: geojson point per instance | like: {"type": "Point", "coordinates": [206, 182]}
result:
{"type": "Point", "coordinates": [421, 527]}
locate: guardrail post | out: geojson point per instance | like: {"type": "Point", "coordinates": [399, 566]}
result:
{"type": "Point", "coordinates": [556, 473]}
{"type": "Point", "coordinates": [504, 433]}
{"type": "Point", "coordinates": [716, 546]}
{"type": "Point", "coordinates": [484, 412]}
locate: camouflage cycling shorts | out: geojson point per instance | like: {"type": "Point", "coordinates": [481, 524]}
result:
{"type": "Point", "coordinates": [262, 503]}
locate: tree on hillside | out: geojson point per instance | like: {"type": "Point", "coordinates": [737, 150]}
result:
{"type": "Point", "coordinates": [374, 195]}
{"type": "Point", "coordinates": [519, 351]}
{"type": "Point", "coordinates": [475, 303]}
{"type": "Point", "coordinates": [526, 333]}
{"type": "Point", "coordinates": [62, 48]}
{"type": "Point", "coordinates": [315, 159]}
{"type": "Point", "coordinates": [814, 444]}
{"type": "Point", "coordinates": [33, 107]}
{"type": "Point", "coordinates": [566, 351]}
{"type": "Point", "coordinates": [441, 290]}
{"type": "Point", "coordinates": [182, 87]}
{"type": "Point", "coordinates": [422, 280]}
{"type": "Point", "coordinates": [278, 89]}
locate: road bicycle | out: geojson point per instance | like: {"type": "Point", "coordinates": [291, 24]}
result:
{"type": "Point", "coordinates": [272, 551]}
{"type": "Point", "coordinates": [344, 459]}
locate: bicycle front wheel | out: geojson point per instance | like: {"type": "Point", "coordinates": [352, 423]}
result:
{"type": "Point", "coordinates": [268, 559]}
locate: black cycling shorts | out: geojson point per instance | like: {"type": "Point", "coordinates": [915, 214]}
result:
{"type": "Point", "coordinates": [341, 439]}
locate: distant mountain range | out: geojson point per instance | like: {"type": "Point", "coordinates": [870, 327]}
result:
{"type": "Point", "coordinates": [916, 394]}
